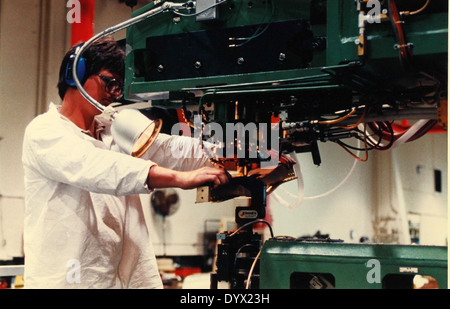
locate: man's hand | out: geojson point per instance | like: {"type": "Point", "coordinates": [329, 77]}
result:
{"type": "Point", "coordinates": [160, 177]}
{"type": "Point", "coordinates": [205, 175]}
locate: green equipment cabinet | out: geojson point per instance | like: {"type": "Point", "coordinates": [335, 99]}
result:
{"type": "Point", "coordinates": [247, 42]}
{"type": "Point", "coordinates": [294, 264]}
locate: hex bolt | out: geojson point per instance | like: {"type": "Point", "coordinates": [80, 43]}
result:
{"type": "Point", "coordinates": [197, 65]}
{"type": "Point", "coordinates": [160, 68]}
{"type": "Point", "coordinates": [240, 60]}
{"type": "Point", "coordinates": [282, 57]}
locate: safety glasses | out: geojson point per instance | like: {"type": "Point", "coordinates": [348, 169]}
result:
{"type": "Point", "coordinates": [112, 86]}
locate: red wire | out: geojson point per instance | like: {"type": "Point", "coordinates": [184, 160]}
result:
{"type": "Point", "coordinates": [405, 51]}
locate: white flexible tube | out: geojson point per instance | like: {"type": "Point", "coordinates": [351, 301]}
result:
{"type": "Point", "coordinates": [300, 197]}
{"type": "Point", "coordinates": [300, 183]}
{"type": "Point", "coordinates": [164, 7]}
{"type": "Point", "coordinates": [410, 133]}
{"type": "Point", "coordinates": [337, 186]}
{"type": "Point", "coordinates": [111, 30]}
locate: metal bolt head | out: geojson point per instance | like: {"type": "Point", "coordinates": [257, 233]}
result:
{"type": "Point", "coordinates": [240, 60]}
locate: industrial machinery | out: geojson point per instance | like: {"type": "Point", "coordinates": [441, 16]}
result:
{"type": "Point", "coordinates": [293, 264]}
{"type": "Point", "coordinates": [256, 79]}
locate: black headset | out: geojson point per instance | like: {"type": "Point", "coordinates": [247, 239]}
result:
{"type": "Point", "coordinates": [81, 68]}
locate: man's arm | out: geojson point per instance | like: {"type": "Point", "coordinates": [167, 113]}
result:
{"type": "Point", "coordinates": [160, 177]}
{"type": "Point", "coordinates": [179, 153]}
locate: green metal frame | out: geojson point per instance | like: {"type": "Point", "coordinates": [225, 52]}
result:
{"type": "Point", "coordinates": [347, 263]}
{"type": "Point", "coordinates": [242, 15]}
{"type": "Point", "coordinates": [428, 33]}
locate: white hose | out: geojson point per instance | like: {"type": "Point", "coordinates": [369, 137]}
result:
{"type": "Point", "coordinates": [336, 187]}
{"type": "Point", "coordinates": [300, 184]}
{"type": "Point", "coordinates": [300, 197]}
{"type": "Point", "coordinates": [410, 133]}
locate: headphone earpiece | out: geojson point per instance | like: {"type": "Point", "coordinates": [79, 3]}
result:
{"type": "Point", "coordinates": [81, 71]}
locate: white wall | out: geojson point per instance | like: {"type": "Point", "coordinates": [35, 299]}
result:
{"type": "Point", "coordinates": [33, 38]}
{"type": "Point", "coordinates": [19, 45]}
{"type": "Point", "coordinates": [343, 214]}
{"type": "Point", "coordinates": [375, 201]}
{"type": "Point", "coordinates": [416, 163]}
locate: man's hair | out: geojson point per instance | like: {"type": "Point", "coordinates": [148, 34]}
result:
{"type": "Point", "coordinates": [104, 53]}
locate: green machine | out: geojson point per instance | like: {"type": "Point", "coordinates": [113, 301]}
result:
{"type": "Point", "coordinates": [299, 63]}
{"type": "Point", "coordinates": [296, 264]}
{"type": "Point", "coordinates": [247, 43]}
{"type": "Point", "coordinates": [318, 71]}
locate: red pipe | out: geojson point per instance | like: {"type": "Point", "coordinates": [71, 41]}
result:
{"type": "Point", "coordinates": [83, 31]}
{"type": "Point", "coordinates": [437, 129]}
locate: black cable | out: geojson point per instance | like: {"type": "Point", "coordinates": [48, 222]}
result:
{"type": "Point", "coordinates": [258, 31]}
{"type": "Point", "coordinates": [239, 251]}
{"type": "Point", "coordinates": [253, 222]}
{"type": "Point", "coordinates": [388, 128]}
{"type": "Point", "coordinates": [353, 147]}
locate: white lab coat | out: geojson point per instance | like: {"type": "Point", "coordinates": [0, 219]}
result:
{"type": "Point", "coordinates": [84, 223]}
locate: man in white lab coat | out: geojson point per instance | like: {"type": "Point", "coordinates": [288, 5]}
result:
{"type": "Point", "coordinates": [84, 224]}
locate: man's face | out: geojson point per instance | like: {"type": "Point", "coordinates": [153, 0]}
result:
{"type": "Point", "coordinates": [104, 87]}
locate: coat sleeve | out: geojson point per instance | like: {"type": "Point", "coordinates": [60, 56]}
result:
{"type": "Point", "coordinates": [66, 157]}
{"type": "Point", "coordinates": [179, 153]}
